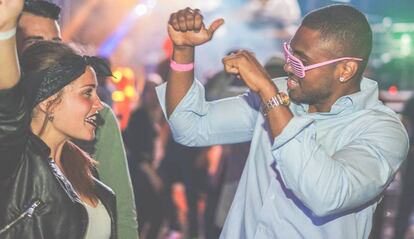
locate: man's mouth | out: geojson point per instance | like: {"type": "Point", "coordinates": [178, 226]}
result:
{"type": "Point", "coordinates": [92, 119]}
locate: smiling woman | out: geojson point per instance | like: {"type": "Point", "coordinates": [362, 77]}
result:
{"type": "Point", "coordinates": [46, 182]}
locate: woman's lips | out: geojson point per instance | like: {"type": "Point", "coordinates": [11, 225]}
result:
{"type": "Point", "coordinates": [92, 120]}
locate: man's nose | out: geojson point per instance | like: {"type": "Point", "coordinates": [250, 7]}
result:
{"type": "Point", "coordinates": [287, 68]}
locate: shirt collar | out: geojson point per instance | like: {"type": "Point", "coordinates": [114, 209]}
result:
{"type": "Point", "coordinates": [366, 97]}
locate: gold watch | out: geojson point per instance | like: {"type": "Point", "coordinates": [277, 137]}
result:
{"type": "Point", "coordinates": [280, 98]}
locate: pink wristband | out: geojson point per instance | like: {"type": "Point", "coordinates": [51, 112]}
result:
{"type": "Point", "coordinates": [181, 67]}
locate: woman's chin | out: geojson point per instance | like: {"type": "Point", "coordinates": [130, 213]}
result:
{"type": "Point", "coordinates": [89, 137]}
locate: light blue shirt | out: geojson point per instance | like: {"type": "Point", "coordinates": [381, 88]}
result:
{"type": "Point", "coordinates": [322, 177]}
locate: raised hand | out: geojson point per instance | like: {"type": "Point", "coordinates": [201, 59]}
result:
{"type": "Point", "coordinates": [186, 28]}
{"type": "Point", "coordinates": [9, 12]}
{"type": "Point", "coordinates": [245, 65]}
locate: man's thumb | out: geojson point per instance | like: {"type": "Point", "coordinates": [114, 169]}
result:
{"type": "Point", "coordinates": [215, 25]}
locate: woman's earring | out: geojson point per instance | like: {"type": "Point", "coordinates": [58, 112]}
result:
{"type": "Point", "coordinates": [341, 79]}
{"type": "Point", "coordinates": [50, 117]}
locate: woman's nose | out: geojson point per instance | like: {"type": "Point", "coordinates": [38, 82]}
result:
{"type": "Point", "coordinates": [98, 104]}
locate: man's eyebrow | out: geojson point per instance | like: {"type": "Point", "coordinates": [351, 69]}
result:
{"type": "Point", "coordinates": [57, 39]}
{"type": "Point", "coordinates": [301, 54]}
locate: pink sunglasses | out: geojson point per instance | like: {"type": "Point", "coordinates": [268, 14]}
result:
{"type": "Point", "coordinates": [299, 69]}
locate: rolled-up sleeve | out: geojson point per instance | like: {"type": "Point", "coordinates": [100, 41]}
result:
{"type": "Point", "coordinates": [349, 178]}
{"type": "Point", "coordinates": [196, 122]}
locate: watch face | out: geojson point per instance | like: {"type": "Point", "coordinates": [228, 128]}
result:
{"type": "Point", "coordinates": [285, 100]}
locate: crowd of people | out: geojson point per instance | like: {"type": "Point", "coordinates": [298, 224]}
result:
{"type": "Point", "coordinates": [306, 147]}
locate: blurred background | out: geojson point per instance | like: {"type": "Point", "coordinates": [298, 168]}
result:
{"type": "Point", "coordinates": [132, 35]}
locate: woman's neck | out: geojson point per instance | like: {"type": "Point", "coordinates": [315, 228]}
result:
{"type": "Point", "coordinates": [54, 140]}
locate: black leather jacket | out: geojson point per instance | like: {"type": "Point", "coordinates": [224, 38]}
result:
{"type": "Point", "coordinates": [36, 201]}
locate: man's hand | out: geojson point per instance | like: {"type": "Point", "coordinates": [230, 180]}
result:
{"type": "Point", "coordinates": [9, 13]}
{"type": "Point", "coordinates": [245, 65]}
{"type": "Point", "coordinates": [186, 28]}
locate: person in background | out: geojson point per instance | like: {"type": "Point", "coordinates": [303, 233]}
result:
{"type": "Point", "coordinates": [39, 22]}
{"type": "Point", "coordinates": [323, 146]}
{"type": "Point", "coordinates": [140, 138]}
{"type": "Point", "coordinates": [104, 93]}
{"type": "Point", "coordinates": [180, 164]}
{"type": "Point", "coordinates": [46, 183]}
{"type": "Point", "coordinates": [406, 202]}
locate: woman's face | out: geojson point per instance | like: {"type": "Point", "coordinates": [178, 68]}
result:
{"type": "Point", "coordinates": [75, 115]}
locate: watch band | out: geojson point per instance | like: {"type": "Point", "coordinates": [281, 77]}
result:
{"type": "Point", "coordinates": [279, 99]}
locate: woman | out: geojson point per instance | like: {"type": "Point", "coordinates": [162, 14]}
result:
{"type": "Point", "coordinates": [46, 185]}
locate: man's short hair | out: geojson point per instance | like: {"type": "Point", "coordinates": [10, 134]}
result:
{"type": "Point", "coordinates": [43, 9]}
{"type": "Point", "coordinates": [347, 27]}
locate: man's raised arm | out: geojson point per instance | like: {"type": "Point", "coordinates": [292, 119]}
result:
{"type": "Point", "coordinates": [186, 30]}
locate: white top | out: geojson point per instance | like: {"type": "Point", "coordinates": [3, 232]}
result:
{"type": "Point", "coordinates": [99, 226]}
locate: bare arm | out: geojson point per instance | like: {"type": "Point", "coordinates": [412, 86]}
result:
{"type": "Point", "coordinates": [186, 30]}
{"type": "Point", "coordinates": [9, 66]}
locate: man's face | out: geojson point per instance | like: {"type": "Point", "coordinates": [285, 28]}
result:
{"type": "Point", "coordinates": [318, 85]}
{"type": "Point", "coordinates": [32, 28]}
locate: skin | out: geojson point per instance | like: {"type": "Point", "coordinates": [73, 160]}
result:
{"type": "Point", "coordinates": [9, 67]}
{"type": "Point", "coordinates": [70, 122]}
{"type": "Point", "coordinates": [320, 88]}
{"type": "Point", "coordinates": [32, 28]}
{"type": "Point", "coordinates": [79, 101]}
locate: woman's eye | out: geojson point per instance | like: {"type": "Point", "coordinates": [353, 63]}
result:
{"type": "Point", "coordinates": [88, 92]}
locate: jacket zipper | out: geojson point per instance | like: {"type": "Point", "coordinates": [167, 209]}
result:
{"type": "Point", "coordinates": [27, 213]}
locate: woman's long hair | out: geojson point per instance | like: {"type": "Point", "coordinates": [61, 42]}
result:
{"type": "Point", "coordinates": [77, 165]}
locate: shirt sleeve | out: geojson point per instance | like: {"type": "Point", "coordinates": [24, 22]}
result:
{"type": "Point", "coordinates": [347, 179]}
{"type": "Point", "coordinates": [113, 171]}
{"type": "Point", "coordinates": [196, 122]}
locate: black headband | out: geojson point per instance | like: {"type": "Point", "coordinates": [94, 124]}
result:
{"type": "Point", "coordinates": [51, 80]}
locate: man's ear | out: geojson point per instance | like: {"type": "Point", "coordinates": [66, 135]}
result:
{"type": "Point", "coordinates": [347, 70]}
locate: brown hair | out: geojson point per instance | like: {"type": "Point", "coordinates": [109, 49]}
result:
{"type": "Point", "coordinates": [77, 165]}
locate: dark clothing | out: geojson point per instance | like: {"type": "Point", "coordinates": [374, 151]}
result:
{"type": "Point", "coordinates": [147, 201]}
{"type": "Point", "coordinates": [36, 201]}
{"type": "Point", "coordinates": [179, 165]}
{"type": "Point", "coordinates": [140, 135]}
{"type": "Point", "coordinates": [139, 138]}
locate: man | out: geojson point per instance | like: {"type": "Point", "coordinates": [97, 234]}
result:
{"type": "Point", "coordinates": [316, 167]}
{"type": "Point", "coordinates": [38, 22]}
